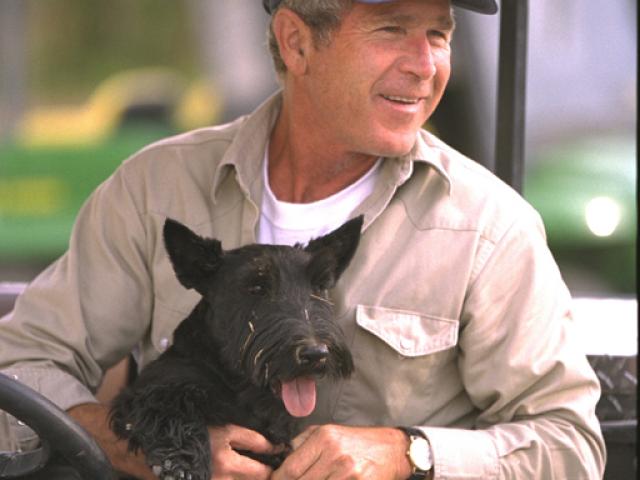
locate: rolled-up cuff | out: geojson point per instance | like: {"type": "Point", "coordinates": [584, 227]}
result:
{"type": "Point", "coordinates": [462, 454]}
{"type": "Point", "coordinates": [60, 387]}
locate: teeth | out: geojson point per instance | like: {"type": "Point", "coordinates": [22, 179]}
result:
{"type": "Point", "coordinates": [394, 98]}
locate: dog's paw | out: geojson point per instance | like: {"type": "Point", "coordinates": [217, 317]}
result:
{"type": "Point", "coordinates": [176, 469]}
{"type": "Point", "coordinates": [183, 456]}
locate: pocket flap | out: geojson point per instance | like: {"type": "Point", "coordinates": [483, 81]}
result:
{"type": "Point", "coordinates": [409, 333]}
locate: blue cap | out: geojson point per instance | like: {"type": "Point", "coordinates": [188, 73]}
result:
{"type": "Point", "coordinates": [488, 7]}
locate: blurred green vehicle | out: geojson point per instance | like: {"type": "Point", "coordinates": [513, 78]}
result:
{"type": "Point", "coordinates": [60, 155]}
{"type": "Point", "coordinates": [585, 191]}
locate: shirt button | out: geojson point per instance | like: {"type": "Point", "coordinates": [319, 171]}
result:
{"type": "Point", "coordinates": [406, 343]}
{"type": "Point", "coordinates": [164, 343]}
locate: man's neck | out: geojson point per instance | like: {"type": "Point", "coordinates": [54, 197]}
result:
{"type": "Point", "coordinates": [305, 168]}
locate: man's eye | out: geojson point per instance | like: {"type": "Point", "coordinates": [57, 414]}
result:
{"type": "Point", "coordinates": [392, 29]}
{"type": "Point", "coordinates": [438, 35]}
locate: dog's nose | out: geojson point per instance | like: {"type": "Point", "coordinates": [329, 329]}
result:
{"type": "Point", "coordinates": [309, 354]}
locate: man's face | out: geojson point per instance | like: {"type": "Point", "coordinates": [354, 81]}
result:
{"type": "Point", "coordinates": [381, 76]}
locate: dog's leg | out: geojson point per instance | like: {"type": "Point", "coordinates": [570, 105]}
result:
{"type": "Point", "coordinates": [165, 420]}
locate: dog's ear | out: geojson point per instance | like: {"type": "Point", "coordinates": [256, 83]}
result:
{"type": "Point", "coordinates": [194, 258]}
{"type": "Point", "coordinates": [332, 253]}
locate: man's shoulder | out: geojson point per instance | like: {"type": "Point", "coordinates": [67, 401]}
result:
{"type": "Point", "coordinates": [206, 144]}
{"type": "Point", "coordinates": [474, 197]}
{"type": "Point", "coordinates": [466, 174]}
{"type": "Point", "coordinates": [206, 147]}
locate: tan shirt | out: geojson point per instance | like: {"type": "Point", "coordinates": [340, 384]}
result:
{"type": "Point", "coordinates": [456, 313]}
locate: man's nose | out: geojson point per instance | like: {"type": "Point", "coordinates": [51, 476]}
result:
{"type": "Point", "coordinates": [419, 59]}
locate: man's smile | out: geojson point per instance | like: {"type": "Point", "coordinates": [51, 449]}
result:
{"type": "Point", "coordinates": [402, 99]}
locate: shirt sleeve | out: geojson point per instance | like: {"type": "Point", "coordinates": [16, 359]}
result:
{"type": "Point", "coordinates": [524, 372]}
{"type": "Point", "coordinates": [88, 309]}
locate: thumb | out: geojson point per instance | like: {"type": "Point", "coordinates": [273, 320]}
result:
{"type": "Point", "coordinates": [241, 438]}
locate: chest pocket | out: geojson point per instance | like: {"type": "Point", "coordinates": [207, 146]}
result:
{"type": "Point", "coordinates": [409, 334]}
{"type": "Point", "coordinates": [399, 356]}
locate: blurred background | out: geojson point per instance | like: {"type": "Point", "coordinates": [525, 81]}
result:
{"type": "Point", "coordinates": [85, 83]}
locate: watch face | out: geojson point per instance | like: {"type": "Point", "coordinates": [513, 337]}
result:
{"type": "Point", "coordinates": [420, 454]}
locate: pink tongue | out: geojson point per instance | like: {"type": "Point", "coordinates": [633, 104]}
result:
{"type": "Point", "coordinates": [299, 396]}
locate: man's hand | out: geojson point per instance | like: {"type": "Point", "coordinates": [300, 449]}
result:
{"type": "Point", "coordinates": [94, 417]}
{"type": "Point", "coordinates": [227, 464]}
{"type": "Point", "coordinates": [333, 452]}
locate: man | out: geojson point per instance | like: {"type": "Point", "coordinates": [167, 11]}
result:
{"type": "Point", "coordinates": [459, 322]}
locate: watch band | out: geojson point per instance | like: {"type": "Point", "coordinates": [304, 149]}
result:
{"type": "Point", "coordinates": [415, 433]}
{"type": "Point", "coordinates": [418, 475]}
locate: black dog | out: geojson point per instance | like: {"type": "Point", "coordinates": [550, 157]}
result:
{"type": "Point", "coordinates": [247, 354]}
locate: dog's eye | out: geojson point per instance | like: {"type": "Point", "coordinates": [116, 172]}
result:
{"type": "Point", "coordinates": [256, 290]}
{"type": "Point", "coordinates": [258, 287]}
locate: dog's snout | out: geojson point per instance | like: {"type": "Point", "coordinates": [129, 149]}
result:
{"type": "Point", "coordinates": [310, 354]}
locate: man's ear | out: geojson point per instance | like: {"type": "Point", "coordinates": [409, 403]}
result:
{"type": "Point", "coordinates": [294, 40]}
{"type": "Point", "coordinates": [194, 258]}
{"type": "Point", "coordinates": [332, 253]}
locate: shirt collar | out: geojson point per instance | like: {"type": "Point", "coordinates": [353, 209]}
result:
{"type": "Point", "coordinates": [247, 149]}
{"type": "Point", "coordinates": [246, 152]}
{"type": "Point", "coordinates": [432, 151]}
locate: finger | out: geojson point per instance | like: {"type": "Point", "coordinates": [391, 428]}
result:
{"type": "Point", "coordinates": [226, 463]}
{"type": "Point", "coordinates": [302, 437]}
{"type": "Point", "coordinates": [241, 467]}
{"type": "Point", "coordinates": [305, 455]}
{"type": "Point", "coordinates": [320, 471]}
{"type": "Point", "coordinates": [241, 438]}
{"type": "Point", "coordinates": [319, 463]}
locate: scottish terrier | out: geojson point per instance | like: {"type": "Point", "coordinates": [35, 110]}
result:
{"type": "Point", "coordinates": [248, 354]}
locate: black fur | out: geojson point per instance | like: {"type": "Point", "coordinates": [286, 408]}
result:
{"type": "Point", "coordinates": [264, 318]}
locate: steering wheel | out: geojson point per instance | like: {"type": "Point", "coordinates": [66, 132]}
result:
{"type": "Point", "coordinates": [57, 431]}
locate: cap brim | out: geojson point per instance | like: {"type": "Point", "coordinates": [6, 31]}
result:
{"type": "Point", "coordinates": [488, 7]}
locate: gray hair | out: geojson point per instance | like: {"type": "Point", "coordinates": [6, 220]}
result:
{"type": "Point", "coordinates": [323, 17]}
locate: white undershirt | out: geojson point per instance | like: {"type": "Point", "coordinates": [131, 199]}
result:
{"type": "Point", "coordinates": [284, 223]}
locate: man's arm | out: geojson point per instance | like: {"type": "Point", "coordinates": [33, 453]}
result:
{"type": "Point", "coordinates": [88, 309]}
{"type": "Point", "coordinates": [522, 369]}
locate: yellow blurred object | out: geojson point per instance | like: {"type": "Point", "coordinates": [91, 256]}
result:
{"type": "Point", "coordinates": [94, 121]}
{"type": "Point", "coordinates": [200, 106]}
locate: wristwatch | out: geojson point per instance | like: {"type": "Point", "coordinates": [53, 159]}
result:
{"type": "Point", "coordinates": [419, 453]}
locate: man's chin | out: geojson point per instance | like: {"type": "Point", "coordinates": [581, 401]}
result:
{"type": "Point", "coordinates": [396, 147]}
